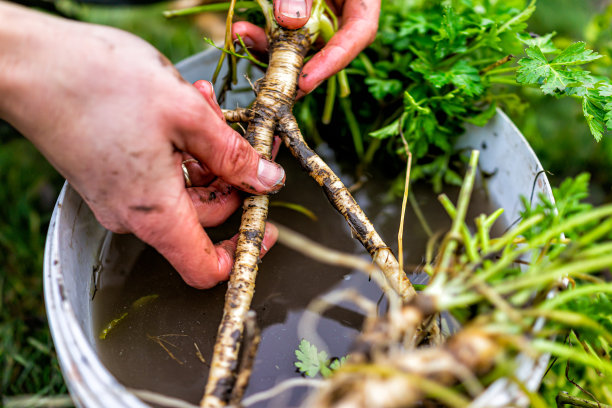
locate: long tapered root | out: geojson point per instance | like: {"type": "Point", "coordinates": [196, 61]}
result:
{"type": "Point", "coordinates": [343, 201]}
{"type": "Point", "coordinates": [275, 97]}
{"type": "Point", "coordinates": [271, 111]}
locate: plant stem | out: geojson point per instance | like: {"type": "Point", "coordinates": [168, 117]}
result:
{"type": "Point", "coordinates": [464, 199]}
{"type": "Point", "coordinates": [215, 7]}
{"type": "Point", "coordinates": [330, 98]}
{"type": "Point", "coordinates": [343, 201]}
{"type": "Point", "coordinates": [564, 399]}
{"type": "Point", "coordinates": [353, 126]}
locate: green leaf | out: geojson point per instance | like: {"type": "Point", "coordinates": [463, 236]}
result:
{"type": "Point", "coordinates": [390, 130]}
{"type": "Point", "coordinates": [337, 363]}
{"type": "Point", "coordinates": [595, 114]}
{"type": "Point", "coordinates": [380, 88]}
{"type": "Point", "coordinates": [575, 54]}
{"type": "Point", "coordinates": [483, 117]}
{"type": "Point", "coordinates": [310, 360]}
{"type": "Point", "coordinates": [554, 76]}
{"type": "Point", "coordinates": [544, 42]}
{"type": "Point", "coordinates": [466, 77]}
{"type": "Point", "coordinates": [461, 74]}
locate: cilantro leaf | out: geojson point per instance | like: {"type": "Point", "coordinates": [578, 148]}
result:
{"type": "Point", "coordinates": [310, 360]}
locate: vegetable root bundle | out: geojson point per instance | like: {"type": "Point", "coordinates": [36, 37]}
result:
{"type": "Point", "coordinates": [270, 114]}
{"type": "Point", "coordinates": [496, 292]}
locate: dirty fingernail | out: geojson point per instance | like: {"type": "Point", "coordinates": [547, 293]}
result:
{"type": "Point", "coordinates": [270, 174]}
{"type": "Point", "coordinates": [292, 8]}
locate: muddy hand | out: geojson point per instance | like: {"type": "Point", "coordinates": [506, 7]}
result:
{"type": "Point", "coordinates": [114, 117]}
{"type": "Point", "coordinates": [358, 25]}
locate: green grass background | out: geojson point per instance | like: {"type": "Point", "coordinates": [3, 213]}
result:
{"type": "Point", "coordinates": [29, 185]}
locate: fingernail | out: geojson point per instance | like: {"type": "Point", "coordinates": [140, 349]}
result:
{"type": "Point", "coordinates": [292, 8]}
{"type": "Point", "coordinates": [270, 174]}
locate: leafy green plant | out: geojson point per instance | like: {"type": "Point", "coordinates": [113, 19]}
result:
{"type": "Point", "coordinates": [311, 361]}
{"type": "Point", "coordinates": [437, 65]}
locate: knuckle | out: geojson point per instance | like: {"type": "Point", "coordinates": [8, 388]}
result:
{"type": "Point", "coordinates": [237, 158]}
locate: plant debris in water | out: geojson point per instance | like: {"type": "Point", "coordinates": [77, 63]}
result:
{"type": "Point", "coordinates": [137, 304]}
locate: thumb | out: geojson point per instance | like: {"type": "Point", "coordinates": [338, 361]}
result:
{"type": "Point", "coordinates": [292, 14]}
{"type": "Point", "coordinates": [227, 154]}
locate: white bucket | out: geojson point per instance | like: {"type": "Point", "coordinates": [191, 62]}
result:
{"type": "Point", "coordinates": [77, 247]}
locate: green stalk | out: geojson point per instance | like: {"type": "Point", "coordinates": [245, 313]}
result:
{"type": "Point", "coordinates": [468, 242]}
{"type": "Point", "coordinates": [330, 98]}
{"type": "Point", "coordinates": [571, 294]}
{"type": "Point", "coordinates": [571, 353]}
{"type": "Point", "coordinates": [462, 204]}
{"type": "Point", "coordinates": [353, 126]}
{"type": "Point", "coordinates": [501, 70]}
{"type": "Point", "coordinates": [419, 214]}
{"type": "Point", "coordinates": [570, 319]}
{"type": "Point", "coordinates": [207, 8]}
{"type": "Point", "coordinates": [564, 399]}
{"type": "Point", "coordinates": [506, 80]}
{"type": "Point", "coordinates": [345, 89]}
{"type": "Point", "coordinates": [554, 272]}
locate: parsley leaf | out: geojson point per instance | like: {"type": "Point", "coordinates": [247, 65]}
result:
{"type": "Point", "coordinates": [554, 76]}
{"type": "Point", "coordinates": [310, 360]}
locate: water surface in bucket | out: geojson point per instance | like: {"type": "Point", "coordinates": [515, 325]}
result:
{"type": "Point", "coordinates": [165, 344]}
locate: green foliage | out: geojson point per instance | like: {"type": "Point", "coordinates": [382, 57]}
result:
{"type": "Point", "coordinates": [28, 190]}
{"type": "Point", "coordinates": [311, 361]}
{"type": "Point", "coordinates": [560, 77]}
{"type": "Point", "coordinates": [505, 285]}
{"type": "Point", "coordinates": [436, 65]}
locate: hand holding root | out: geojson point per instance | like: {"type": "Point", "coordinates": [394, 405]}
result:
{"type": "Point", "coordinates": [270, 113]}
{"type": "Point", "coordinates": [358, 23]}
{"type": "Point", "coordinates": [116, 119]}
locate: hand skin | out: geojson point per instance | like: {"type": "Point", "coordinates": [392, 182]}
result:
{"type": "Point", "coordinates": [116, 119]}
{"type": "Point", "coordinates": [358, 23]}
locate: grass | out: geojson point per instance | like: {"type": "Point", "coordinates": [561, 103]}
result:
{"type": "Point", "coordinates": [29, 186]}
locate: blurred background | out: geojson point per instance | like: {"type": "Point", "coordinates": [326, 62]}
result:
{"type": "Point", "coordinates": [29, 185]}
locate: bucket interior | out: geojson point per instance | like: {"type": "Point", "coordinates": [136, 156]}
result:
{"type": "Point", "coordinates": [93, 277]}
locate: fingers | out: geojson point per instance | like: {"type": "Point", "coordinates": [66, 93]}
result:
{"type": "Point", "coordinates": [359, 26]}
{"type": "Point", "coordinates": [226, 249]}
{"type": "Point", "coordinates": [208, 92]}
{"type": "Point", "coordinates": [214, 203]}
{"type": "Point", "coordinates": [227, 154]}
{"type": "Point", "coordinates": [292, 14]}
{"type": "Point", "coordinates": [197, 173]}
{"type": "Point", "coordinates": [176, 233]}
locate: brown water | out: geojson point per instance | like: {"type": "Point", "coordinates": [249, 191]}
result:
{"type": "Point", "coordinates": [156, 345]}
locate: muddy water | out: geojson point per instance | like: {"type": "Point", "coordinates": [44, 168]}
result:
{"type": "Point", "coordinates": [165, 344]}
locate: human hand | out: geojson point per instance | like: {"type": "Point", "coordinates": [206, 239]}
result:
{"type": "Point", "coordinates": [358, 23]}
{"type": "Point", "coordinates": [116, 119]}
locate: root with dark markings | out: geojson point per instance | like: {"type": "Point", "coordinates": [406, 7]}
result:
{"type": "Point", "coordinates": [270, 112]}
